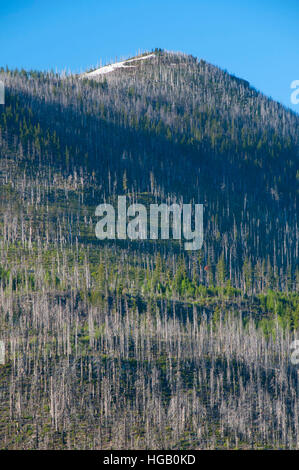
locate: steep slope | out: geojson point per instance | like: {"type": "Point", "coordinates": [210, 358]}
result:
{"type": "Point", "coordinates": [172, 127]}
{"type": "Point", "coordinates": [138, 345]}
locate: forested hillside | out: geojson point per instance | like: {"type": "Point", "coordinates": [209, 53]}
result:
{"type": "Point", "coordinates": [121, 344]}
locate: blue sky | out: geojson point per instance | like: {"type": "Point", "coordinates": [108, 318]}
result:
{"type": "Point", "coordinates": [257, 40]}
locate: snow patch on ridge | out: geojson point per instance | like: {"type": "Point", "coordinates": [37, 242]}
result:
{"type": "Point", "coordinates": [117, 65]}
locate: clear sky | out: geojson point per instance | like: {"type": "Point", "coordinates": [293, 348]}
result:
{"type": "Point", "coordinates": [257, 40]}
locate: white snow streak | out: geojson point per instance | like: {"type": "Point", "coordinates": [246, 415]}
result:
{"type": "Point", "coordinates": [117, 65]}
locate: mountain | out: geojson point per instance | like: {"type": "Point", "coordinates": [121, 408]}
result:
{"type": "Point", "coordinates": [174, 127]}
{"type": "Point", "coordinates": [141, 343]}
